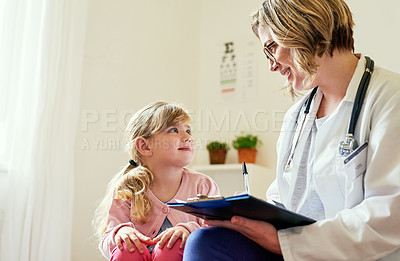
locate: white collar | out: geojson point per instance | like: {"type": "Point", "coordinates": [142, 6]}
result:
{"type": "Point", "coordinates": [355, 80]}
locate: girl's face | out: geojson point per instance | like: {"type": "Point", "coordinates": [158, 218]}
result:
{"type": "Point", "coordinates": [173, 146]}
{"type": "Point", "coordinates": [280, 60]}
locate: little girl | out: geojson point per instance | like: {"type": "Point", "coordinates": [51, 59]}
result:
{"type": "Point", "coordinates": [134, 216]}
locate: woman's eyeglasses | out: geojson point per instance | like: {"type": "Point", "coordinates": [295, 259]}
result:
{"type": "Point", "coordinates": [268, 53]}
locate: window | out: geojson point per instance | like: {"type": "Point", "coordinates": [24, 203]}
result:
{"type": "Point", "coordinates": [4, 104]}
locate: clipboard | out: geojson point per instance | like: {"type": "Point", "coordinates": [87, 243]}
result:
{"type": "Point", "coordinates": [242, 205]}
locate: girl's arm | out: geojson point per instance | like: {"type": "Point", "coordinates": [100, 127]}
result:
{"type": "Point", "coordinates": [118, 217]}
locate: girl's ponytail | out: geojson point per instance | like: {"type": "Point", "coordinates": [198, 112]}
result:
{"type": "Point", "coordinates": [130, 183]}
{"type": "Point", "coordinates": [132, 186]}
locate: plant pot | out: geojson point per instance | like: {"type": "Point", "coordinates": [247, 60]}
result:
{"type": "Point", "coordinates": [247, 155]}
{"type": "Point", "coordinates": [217, 156]}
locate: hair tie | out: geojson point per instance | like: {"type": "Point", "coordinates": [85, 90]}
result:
{"type": "Point", "coordinates": [133, 163]}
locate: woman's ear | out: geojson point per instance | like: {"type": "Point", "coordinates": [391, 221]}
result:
{"type": "Point", "coordinates": [142, 145]}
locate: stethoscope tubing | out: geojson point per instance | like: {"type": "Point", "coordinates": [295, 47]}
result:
{"type": "Point", "coordinates": [355, 113]}
{"type": "Point", "coordinates": [361, 92]}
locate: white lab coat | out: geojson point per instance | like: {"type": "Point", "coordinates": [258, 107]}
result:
{"type": "Point", "coordinates": [362, 213]}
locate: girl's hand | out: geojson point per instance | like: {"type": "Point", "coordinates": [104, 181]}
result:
{"type": "Point", "coordinates": [130, 235]}
{"type": "Point", "coordinates": [172, 234]}
{"type": "Point", "coordinates": [263, 233]}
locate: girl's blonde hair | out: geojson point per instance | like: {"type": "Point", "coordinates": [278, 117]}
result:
{"type": "Point", "coordinates": [307, 28]}
{"type": "Point", "coordinates": [132, 182]}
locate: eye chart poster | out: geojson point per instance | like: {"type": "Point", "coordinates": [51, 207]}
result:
{"type": "Point", "coordinates": [237, 71]}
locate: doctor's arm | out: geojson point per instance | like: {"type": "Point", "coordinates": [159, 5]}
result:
{"type": "Point", "coordinates": [273, 193]}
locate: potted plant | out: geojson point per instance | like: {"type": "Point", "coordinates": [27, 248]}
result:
{"type": "Point", "coordinates": [217, 151]}
{"type": "Point", "coordinates": [246, 145]}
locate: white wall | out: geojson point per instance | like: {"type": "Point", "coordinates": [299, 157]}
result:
{"type": "Point", "coordinates": [142, 51]}
{"type": "Point", "coordinates": [376, 31]}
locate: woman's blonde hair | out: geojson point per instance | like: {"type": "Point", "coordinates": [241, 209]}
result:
{"type": "Point", "coordinates": [132, 182]}
{"type": "Point", "coordinates": [307, 28]}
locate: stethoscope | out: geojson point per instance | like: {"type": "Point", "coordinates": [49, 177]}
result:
{"type": "Point", "coordinates": [349, 144]}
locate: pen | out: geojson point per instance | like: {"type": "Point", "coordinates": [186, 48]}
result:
{"type": "Point", "coordinates": [246, 178]}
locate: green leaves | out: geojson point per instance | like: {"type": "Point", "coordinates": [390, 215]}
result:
{"type": "Point", "coordinates": [213, 145]}
{"type": "Point", "coordinates": [246, 141]}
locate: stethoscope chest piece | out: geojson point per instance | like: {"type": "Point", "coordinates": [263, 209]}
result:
{"type": "Point", "coordinates": [347, 146]}
{"type": "Point", "coordinates": [288, 167]}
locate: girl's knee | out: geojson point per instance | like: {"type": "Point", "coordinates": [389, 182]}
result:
{"type": "Point", "coordinates": [126, 255]}
{"type": "Point", "coordinates": [175, 253]}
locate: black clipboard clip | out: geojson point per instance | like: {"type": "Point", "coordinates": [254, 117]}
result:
{"type": "Point", "coordinates": [201, 197]}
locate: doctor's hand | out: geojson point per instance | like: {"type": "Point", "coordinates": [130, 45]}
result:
{"type": "Point", "coordinates": [261, 232]}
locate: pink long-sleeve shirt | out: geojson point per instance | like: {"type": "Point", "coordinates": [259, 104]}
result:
{"type": "Point", "coordinates": [193, 183]}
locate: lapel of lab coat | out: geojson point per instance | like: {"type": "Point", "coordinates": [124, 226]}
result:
{"type": "Point", "coordinates": [287, 181]}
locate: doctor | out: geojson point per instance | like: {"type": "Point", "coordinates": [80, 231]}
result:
{"type": "Point", "coordinates": [350, 185]}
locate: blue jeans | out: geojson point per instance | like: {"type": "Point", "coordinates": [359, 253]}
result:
{"type": "Point", "coordinates": [215, 243]}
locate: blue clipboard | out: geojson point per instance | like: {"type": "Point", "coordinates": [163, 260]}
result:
{"type": "Point", "coordinates": [243, 205]}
